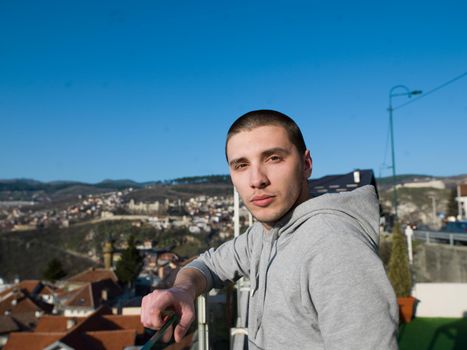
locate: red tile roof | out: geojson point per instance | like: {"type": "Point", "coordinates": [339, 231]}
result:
{"type": "Point", "coordinates": [111, 340]}
{"type": "Point", "coordinates": [29, 285]}
{"type": "Point", "coordinates": [27, 320]}
{"type": "Point", "coordinates": [31, 341]}
{"type": "Point", "coordinates": [50, 323]}
{"type": "Point", "coordinates": [91, 295]}
{"type": "Point", "coordinates": [8, 324]}
{"type": "Point", "coordinates": [126, 322]}
{"type": "Point", "coordinates": [18, 303]}
{"type": "Point", "coordinates": [463, 190]}
{"type": "Point", "coordinates": [99, 331]}
{"type": "Point", "coordinates": [93, 275]}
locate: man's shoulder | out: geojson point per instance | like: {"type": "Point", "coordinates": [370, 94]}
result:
{"type": "Point", "coordinates": [328, 228]}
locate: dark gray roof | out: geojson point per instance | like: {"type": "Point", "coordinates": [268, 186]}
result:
{"type": "Point", "coordinates": [341, 183]}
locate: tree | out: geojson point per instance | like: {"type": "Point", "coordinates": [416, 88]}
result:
{"type": "Point", "coordinates": [54, 271]}
{"type": "Point", "coordinates": [399, 272]}
{"type": "Point", "coordinates": [130, 264]}
{"type": "Point", "coordinates": [452, 206]}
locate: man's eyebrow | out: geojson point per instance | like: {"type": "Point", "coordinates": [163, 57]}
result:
{"type": "Point", "coordinates": [234, 162]}
{"type": "Point", "coordinates": [264, 154]}
{"type": "Point", "coordinates": [275, 150]}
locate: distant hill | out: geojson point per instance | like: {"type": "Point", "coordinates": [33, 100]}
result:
{"type": "Point", "coordinates": [450, 181]}
{"type": "Point", "coordinates": [53, 186]}
{"type": "Point", "coordinates": [118, 184]}
{"type": "Point", "coordinates": [109, 184]}
{"type": "Point", "coordinates": [402, 178]}
{"type": "Point", "coordinates": [64, 192]}
{"type": "Point", "coordinates": [182, 191]}
{"type": "Point", "coordinates": [207, 179]}
{"type": "Point", "coordinates": [28, 189]}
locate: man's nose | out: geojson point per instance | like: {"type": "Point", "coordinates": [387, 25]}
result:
{"type": "Point", "coordinates": [258, 177]}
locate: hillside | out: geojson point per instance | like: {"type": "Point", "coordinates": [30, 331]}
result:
{"type": "Point", "coordinates": [385, 183]}
{"type": "Point", "coordinates": [172, 192]}
{"type": "Point", "coordinates": [63, 192]}
{"type": "Point", "coordinates": [27, 258]}
{"type": "Point", "coordinates": [26, 254]}
{"type": "Point", "coordinates": [416, 203]}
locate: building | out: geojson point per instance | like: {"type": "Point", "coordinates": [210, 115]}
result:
{"type": "Point", "coordinates": [341, 183]}
{"type": "Point", "coordinates": [99, 330]}
{"type": "Point", "coordinates": [462, 201]}
{"type": "Point", "coordinates": [22, 305]}
{"type": "Point", "coordinates": [85, 300]}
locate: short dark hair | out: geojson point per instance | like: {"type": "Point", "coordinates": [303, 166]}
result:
{"type": "Point", "coordinates": [265, 117]}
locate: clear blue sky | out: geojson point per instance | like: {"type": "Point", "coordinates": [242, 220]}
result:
{"type": "Point", "coordinates": [146, 90]}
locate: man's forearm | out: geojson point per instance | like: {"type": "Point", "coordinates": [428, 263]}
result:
{"type": "Point", "coordinates": [191, 280]}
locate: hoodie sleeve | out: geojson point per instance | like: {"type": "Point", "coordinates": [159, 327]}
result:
{"type": "Point", "coordinates": [228, 262]}
{"type": "Point", "coordinates": [349, 288]}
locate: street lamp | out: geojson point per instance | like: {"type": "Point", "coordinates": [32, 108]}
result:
{"type": "Point", "coordinates": [406, 92]}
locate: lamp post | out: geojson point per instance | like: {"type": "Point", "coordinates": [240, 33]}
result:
{"type": "Point", "coordinates": [405, 92]}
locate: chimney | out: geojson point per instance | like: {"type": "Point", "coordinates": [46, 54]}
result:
{"type": "Point", "coordinates": [104, 294]}
{"type": "Point", "coordinates": [70, 323]}
{"type": "Point", "coordinates": [160, 272]}
{"type": "Point", "coordinates": [356, 176]}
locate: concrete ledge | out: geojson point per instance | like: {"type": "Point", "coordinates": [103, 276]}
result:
{"type": "Point", "coordinates": [441, 299]}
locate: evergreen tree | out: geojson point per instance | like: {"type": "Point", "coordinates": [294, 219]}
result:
{"type": "Point", "coordinates": [399, 272]}
{"type": "Point", "coordinates": [130, 264]}
{"type": "Point", "coordinates": [452, 208]}
{"type": "Point", "coordinates": [54, 271]}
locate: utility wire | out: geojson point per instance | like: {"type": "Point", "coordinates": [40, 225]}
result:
{"type": "Point", "coordinates": [432, 91]}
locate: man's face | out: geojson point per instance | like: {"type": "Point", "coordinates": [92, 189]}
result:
{"type": "Point", "coordinates": [268, 172]}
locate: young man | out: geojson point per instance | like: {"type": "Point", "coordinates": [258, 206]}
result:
{"type": "Point", "coordinates": [316, 279]}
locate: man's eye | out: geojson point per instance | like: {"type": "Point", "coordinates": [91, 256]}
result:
{"type": "Point", "coordinates": [240, 166]}
{"type": "Point", "coordinates": [274, 158]}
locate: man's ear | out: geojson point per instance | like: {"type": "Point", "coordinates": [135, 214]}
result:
{"type": "Point", "coordinates": [308, 164]}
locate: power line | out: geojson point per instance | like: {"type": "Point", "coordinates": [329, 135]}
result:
{"type": "Point", "coordinates": [432, 91]}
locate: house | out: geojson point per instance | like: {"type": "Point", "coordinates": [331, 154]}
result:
{"type": "Point", "coordinates": [21, 305]}
{"type": "Point", "coordinates": [462, 200]}
{"type": "Point", "coordinates": [9, 324]}
{"type": "Point", "coordinates": [341, 183]}
{"type": "Point", "coordinates": [90, 275]}
{"type": "Point", "coordinates": [85, 300]}
{"type": "Point", "coordinates": [33, 287]}
{"type": "Point", "coordinates": [100, 330]}
{"type": "Point", "coordinates": [24, 304]}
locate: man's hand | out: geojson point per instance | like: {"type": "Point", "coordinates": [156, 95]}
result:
{"type": "Point", "coordinates": [177, 299]}
{"type": "Point", "coordinates": [180, 298]}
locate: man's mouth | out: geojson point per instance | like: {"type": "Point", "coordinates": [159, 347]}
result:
{"type": "Point", "coordinates": [262, 200]}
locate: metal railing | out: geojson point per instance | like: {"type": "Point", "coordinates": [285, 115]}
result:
{"type": "Point", "coordinates": [440, 237]}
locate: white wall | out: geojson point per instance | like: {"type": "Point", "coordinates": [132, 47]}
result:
{"type": "Point", "coordinates": [441, 299]}
{"type": "Point", "coordinates": [128, 311]}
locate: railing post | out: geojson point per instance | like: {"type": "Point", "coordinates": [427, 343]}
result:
{"type": "Point", "coordinates": [451, 239]}
{"type": "Point", "coordinates": [203, 331]}
{"type": "Point", "coordinates": [409, 234]}
{"type": "Point", "coordinates": [427, 236]}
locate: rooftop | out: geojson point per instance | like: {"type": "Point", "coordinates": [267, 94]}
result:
{"type": "Point", "coordinates": [93, 275]}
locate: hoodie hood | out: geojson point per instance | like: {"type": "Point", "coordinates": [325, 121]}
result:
{"type": "Point", "coordinates": [360, 204]}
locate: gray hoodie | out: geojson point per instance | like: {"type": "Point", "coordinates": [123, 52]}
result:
{"type": "Point", "coordinates": [316, 279]}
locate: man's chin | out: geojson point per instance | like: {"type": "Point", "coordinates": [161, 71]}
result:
{"type": "Point", "coordinates": [266, 220]}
